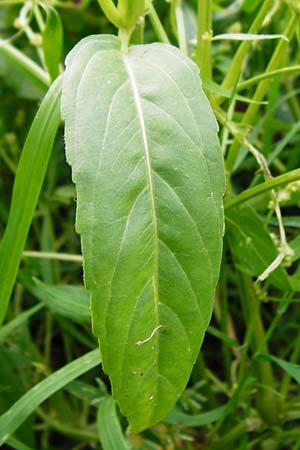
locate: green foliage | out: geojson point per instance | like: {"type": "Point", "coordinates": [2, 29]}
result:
{"type": "Point", "coordinates": [146, 174]}
{"type": "Point", "coordinates": [52, 42]}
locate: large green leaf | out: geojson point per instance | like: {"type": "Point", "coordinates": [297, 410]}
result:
{"type": "Point", "coordinates": [142, 143]}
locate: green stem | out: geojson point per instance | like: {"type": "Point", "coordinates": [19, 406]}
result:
{"type": "Point", "coordinates": [266, 75]}
{"type": "Point", "coordinates": [224, 322]}
{"type": "Point", "coordinates": [180, 26]}
{"type": "Point", "coordinates": [289, 177]}
{"type": "Point", "coordinates": [53, 255]}
{"type": "Point", "coordinates": [226, 441]}
{"type": "Point", "coordinates": [25, 65]}
{"type": "Point", "coordinates": [157, 25]}
{"type": "Point", "coordinates": [267, 403]}
{"type": "Point", "coordinates": [111, 12]}
{"type": "Point", "coordinates": [137, 36]}
{"type": "Point", "coordinates": [287, 378]}
{"type": "Point", "coordinates": [203, 50]}
{"type": "Point", "coordinates": [240, 55]}
{"type": "Point", "coordinates": [250, 114]}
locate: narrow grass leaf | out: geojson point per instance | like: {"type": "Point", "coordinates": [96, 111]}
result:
{"type": "Point", "coordinates": [222, 92]}
{"type": "Point", "coordinates": [28, 182]}
{"type": "Point", "coordinates": [52, 39]}
{"type": "Point", "coordinates": [149, 177]}
{"type": "Point", "coordinates": [197, 420]}
{"type": "Point", "coordinates": [68, 301]}
{"type": "Point", "coordinates": [292, 369]}
{"type": "Point", "coordinates": [10, 327]}
{"type": "Point", "coordinates": [248, 37]}
{"type": "Point", "coordinates": [13, 59]}
{"type": "Point", "coordinates": [110, 432]}
{"type": "Point", "coordinates": [18, 413]}
{"type": "Point", "coordinates": [17, 445]}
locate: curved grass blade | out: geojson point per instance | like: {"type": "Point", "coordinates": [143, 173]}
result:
{"type": "Point", "coordinates": [110, 433]}
{"type": "Point", "coordinates": [18, 413]}
{"type": "Point", "coordinates": [52, 38]}
{"type": "Point", "coordinates": [17, 445]}
{"type": "Point", "coordinates": [28, 182]}
{"type": "Point", "coordinates": [68, 301]}
{"type": "Point", "coordinates": [149, 179]}
{"type": "Point", "coordinates": [9, 327]}
{"type": "Point", "coordinates": [197, 420]}
{"type": "Point", "coordinates": [24, 66]}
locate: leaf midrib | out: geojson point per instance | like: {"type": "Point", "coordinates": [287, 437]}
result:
{"type": "Point", "coordinates": [139, 110]}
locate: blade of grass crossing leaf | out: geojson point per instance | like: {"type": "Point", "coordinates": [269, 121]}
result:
{"type": "Point", "coordinates": [109, 428]}
{"type": "Point", "coordinates": [26, 405]}
{"type": "Point", "coordinates": [28, 182]}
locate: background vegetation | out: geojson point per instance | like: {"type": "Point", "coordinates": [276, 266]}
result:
{"type": "Point", "coordinates": [244, 389]}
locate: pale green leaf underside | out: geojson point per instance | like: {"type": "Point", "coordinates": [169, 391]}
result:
{"type": "Point", "coordinates": [142, 143]}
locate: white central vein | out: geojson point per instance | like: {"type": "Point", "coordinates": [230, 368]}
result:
{"type": "Point", "coordinates": [139, 110]}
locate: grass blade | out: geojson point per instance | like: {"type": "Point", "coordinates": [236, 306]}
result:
{"type": "Point", "coordinates": [28, 182]}
{"type": "Point", "coordinates": [19, 320]}
{"type": "Point", "coordinates": [17, 445]}
{"type": "Point", "coordinates": [197, 420]}
{"type": "Point", "coordinates": [18, 413]}
{"type": "Point", "coordinates": [25, 66]}
{"type": "Point", "coordinates": [109, 428]}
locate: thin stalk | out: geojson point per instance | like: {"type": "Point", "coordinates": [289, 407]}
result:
{"type": "Point", "coordinates": [289, 177]}
{"type": "Point", "coordinates": [266, 75]}
{"type": "Point", "coordinates": [111, 12]}
{"type": "Point", "coordinates": [203, 48]}
{"type": "Point", "coordinates": [267, 403]}
{"type": "Point", "coordinates": [250, 114]}
{"type": "Point", "coordinates": [287, 378]}
{"type": "Point", "coordinates": [137, 36]}
{"type": "Point", "coordinates": [180, 26]}
{"type": "Point", "coordinates": [53, 255]}
{"type": "Point", "coordinates": [224, 315]}
{"type": "Point", "coordinates": [239, 57]}
{"type": "Point", "coordinates": [157, 25]}
{"type": "Point", "coordinates": [226, 441]}
{"type": "Point", "coordinates": [28, 68]}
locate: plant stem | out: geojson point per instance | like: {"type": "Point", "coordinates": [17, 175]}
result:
{"type": "Point", "coordinates": [203, 54]}
{"type": "Point", "coordinates": [250, 114]}
{"type": "Point", "coordinates": [289, 177]}
{"type": "Point", "coordinates": [267, 404]}
{"type": "Point", "coordinates": [53, 255]}
{"type": "Point", "coordinates": [240, 55]}
{"type": "Point", "coordinates": [157, 25]}
{"type": "Point", "coordinates": [25, 65]}
{"type": "Point", "coordinates": [287, 378]}
{"type": "Point", "coordinates": [264, 76]}
{"type": "Point", "coordinates": [111, 12]}
{"type": "Point", "coordinates": [180, 26]}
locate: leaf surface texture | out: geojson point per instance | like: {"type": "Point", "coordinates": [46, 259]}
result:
{"type": "Point", "coordinates": [142, 143]}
